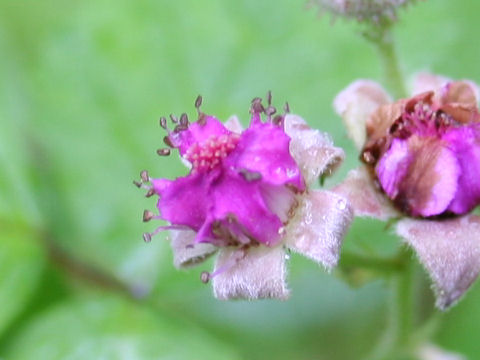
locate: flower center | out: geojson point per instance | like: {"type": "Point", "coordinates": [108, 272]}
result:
{"type": "Point", "coordinates": [209, 154]}
{"type": "Point", "coordinates": [422, 120]}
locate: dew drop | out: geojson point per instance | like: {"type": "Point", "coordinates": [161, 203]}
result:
{"type": "Point", "coordinates": [341, 204]}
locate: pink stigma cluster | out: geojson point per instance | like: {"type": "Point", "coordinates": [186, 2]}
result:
{"type": "Point", "coordinates": [206, 156]}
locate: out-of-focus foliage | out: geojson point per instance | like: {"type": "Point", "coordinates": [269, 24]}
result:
{"type": "Point", "coordinates": [113, 329]}
{"type": "Point", "coordinates": [82, 84]}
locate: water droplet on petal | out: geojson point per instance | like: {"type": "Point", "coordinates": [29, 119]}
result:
{"type": "Point", "coordinates": [341, 204]}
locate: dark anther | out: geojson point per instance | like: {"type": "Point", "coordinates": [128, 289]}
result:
{"type": "Point", "coordinates": [174, 119]}
{"type": "Point", "coordinates": [147, 237]}
{"type": "Point", "coordinates": [168, 142]}
{"type": "Point", "coordinates": [163, 122]}
{"type": "Point", "coordinates": [202, 120]}
{"type": "Point", "coordinates": [278, 120]}
{"type": "Point", "coordinates": [368, 157]}
{"type": "Point", "coordinates": [231, 218]}
{"type": "Point", "coordinates": [205, 277]}
{"type": "Point", "coordinates": [184, 119]}
{"type": "Point", "coordinates": [286, 108]}
{"type": "Point", "coordinates": [269, 97]}
{"type": "Point", "coordinates": [257, 106]}
{"type": "Point", "coordinates": [137, 183]}
{"type": "Point", "coordinates": [180, 128]}
{"type": "Point", "coordinates": [250, 175]}
{"type": "Point", "coordinates": [144, 176]}
{"type": "Point", "coordinates": [198, 102]}
{"type": "Point", "coordinates": [163, 152]}
{"type": "Point", "coordinates": [147, 215]}
{"type": "Point", "coordinates": [270, 110]}
{"type": "Point", "coordinates": [150, 193]}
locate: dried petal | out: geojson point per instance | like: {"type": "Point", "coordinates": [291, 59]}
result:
{"type": "Point", "coordinates": [313, 150]}
{"type": "Point", "coordinates": [261, 273]}
{"type": "Point", "coordinates": [319, 226]}
{"type": "Point", "coordinates": [364, 196]}
{"type": "Point", "coordinates": [450, 252]}
{"type": "Point", "coordinates": [356, 103]}
{"type": "Point", "coordinates": [425, 81]}
{"type": "Point", "coordinates": [185, 252]}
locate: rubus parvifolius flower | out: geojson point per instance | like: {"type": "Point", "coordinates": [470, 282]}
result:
{"type": "Point", "coordinates": [247, 196]}
{"type": "Point", "coordinates": [421, 159]}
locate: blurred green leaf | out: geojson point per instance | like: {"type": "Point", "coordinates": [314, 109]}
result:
{"type": "Point", "coordinates": [21, 264]}
{"type": "Point", "coordinates": [111, 328]}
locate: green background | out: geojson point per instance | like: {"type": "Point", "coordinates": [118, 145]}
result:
{"type": "Point", "coordinates": [82, 84]}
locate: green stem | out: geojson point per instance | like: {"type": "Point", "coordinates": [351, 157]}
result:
{"type": "Point", "coordinates": [398, 337]}
{"type": "Point", "coordinates": [382, 38]}
{"type": "Point", "coordinates": [350, 260]}
{"type": "Point", "coordinates": [401, 304]}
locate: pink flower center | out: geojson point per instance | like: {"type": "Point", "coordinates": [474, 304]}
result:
{"type": "Point", "coordinates": [423, 120]}
{"type": "Point", "coordinates": [209, 154]}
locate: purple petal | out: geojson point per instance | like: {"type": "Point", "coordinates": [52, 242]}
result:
{"type": "Point", "coordinates": [465, 142]}
{"type": "Point", "coordinates": [420, 174]}
{"type": "Point", "coordinates": [241, 200]}
{"type": "Point", "coordinates": [185, 200]}
{"type": "Point", "coordinates": [450, 252]}
{"type": "Point", "coordinates": [312, 150]}
{"type": "Point", "coordinates": [197, 132]}
{"type": "Point", "coordinates": [264, 148]}
{"type": "Point", "coordinates": [186, 253]}
{"type": "Point", "coordinates": [319, 226]}
{"type": "Point", "coordinates": [356, 103]}
{"type": "Point", "coordinates": [393, 167]}
{"type": "Point", "coordinates": [364, 196]}
{"type": "Point", "coordinates": [259, 274]}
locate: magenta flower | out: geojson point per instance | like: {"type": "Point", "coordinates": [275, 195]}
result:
{"type": "Point", "coordinates": [422, 159]}
{"type": "Point", "coordinates": [374, 11]}
{"type": "Point", "coordinates": [247, 196]}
